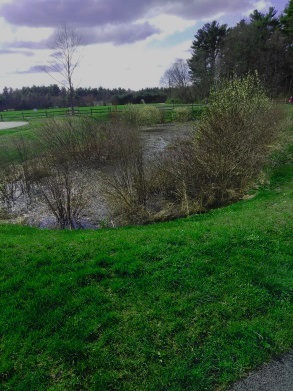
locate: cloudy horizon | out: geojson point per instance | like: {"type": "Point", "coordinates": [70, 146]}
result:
{"type": "Point", "coordinates": [128, 44]}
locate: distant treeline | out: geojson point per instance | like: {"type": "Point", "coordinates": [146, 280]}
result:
{"type": "Point", "coordinates": [44, 97]}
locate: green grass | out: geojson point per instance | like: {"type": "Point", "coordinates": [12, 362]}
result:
{"type": "Point", "coordinates": [9, 137]}
{"type": "Point", "coordinates": [191, 304]}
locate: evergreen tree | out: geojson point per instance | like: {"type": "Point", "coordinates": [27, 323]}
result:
{"type": "Point", "coordinates": [206, 50]}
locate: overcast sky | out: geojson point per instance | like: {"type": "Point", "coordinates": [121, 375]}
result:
{"type": "Point", "coordinates": [130, 43]}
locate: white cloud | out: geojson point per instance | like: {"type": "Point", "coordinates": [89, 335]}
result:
{"type": "Point", "coordinates": [170, 24]}
{"type": "Point", "coordinates": [131, 67]}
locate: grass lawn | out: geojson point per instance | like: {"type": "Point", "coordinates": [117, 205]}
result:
{"type": "Point", "coordinates": [191, 304]}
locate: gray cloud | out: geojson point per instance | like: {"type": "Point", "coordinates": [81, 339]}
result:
{"type": "Point", "coordinates": [53, 13]}
{"type": "Point", "coordinates": [115, 21]}
{"type": "Point", "coordinates": [119, 34]}
{"type": "Point", "coordinates": [37, 69]}
{"type": "Point", "coordinates": [33, 69]}
{"type": "Point", "coordinates": [90, 13]}
{"type": "Point", "coordinates": [26, 44]}
{"type": "Point", "coordinates": [23, 52]}
{"type": "Point", "coordinates": [196, 9]}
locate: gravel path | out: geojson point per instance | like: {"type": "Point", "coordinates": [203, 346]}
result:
{"type": "Point", "coordinates": [277, 375]}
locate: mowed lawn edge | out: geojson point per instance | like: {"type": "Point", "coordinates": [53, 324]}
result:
{"type": "Point", "coordinates": [191, 304]}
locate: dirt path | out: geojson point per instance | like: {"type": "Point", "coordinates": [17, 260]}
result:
{"type": "Point", "coordinates": [10, 125]}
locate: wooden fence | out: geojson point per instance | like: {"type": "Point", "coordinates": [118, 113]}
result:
{"type": "Point", "coordinates": [167, 112]}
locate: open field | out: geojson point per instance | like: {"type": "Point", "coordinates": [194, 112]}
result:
{"type": "Point", "coordinates": [191, 304]}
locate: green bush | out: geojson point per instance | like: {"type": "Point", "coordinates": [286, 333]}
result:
{"type": "Point", "coordinates": [182, 114]}
{"type": "Point", "coordinates": [235, 136]}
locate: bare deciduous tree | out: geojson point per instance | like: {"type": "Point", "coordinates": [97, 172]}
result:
{"type": "Point", "coordinates": [177, 78]}
{"type": "Point", "coordinates": [66, 45]}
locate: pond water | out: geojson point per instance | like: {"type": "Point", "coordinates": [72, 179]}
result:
{"type": "Point", "coordinates": [157, 137]}
{"type": "Point", "coordinates": [96, 214]}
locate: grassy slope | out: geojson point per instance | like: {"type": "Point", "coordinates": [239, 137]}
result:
{"type": "Point", "coordinates": [8, 138]}
{"type": "Point", "coordinates": [185, 305]}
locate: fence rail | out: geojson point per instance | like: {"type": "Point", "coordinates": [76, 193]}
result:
{"type": "Point", "coordinates": [167, 112]}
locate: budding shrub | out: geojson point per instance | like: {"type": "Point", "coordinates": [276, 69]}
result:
{"type": "Point", "coordinates": [227, 152]}
{"type": "Point", "coordinates": [62, 190]}
{"type": "Point", "coordinates": [124, 183]}
{"type": "Point", "coordinates": [235, 137]}
{"type": "Point", "coordinates": [9, 176]}
{"type": "Point", "coordinates": [66, 147]}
